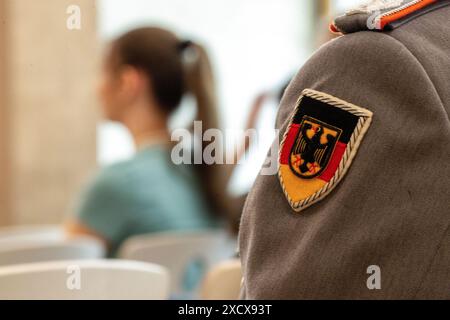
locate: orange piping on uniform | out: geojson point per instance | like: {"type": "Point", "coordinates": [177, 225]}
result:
{"type": "Point", "coordinates": [403, 13]}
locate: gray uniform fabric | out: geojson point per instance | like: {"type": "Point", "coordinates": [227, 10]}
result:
{"type": "Point", "coordinates": [393, 207]}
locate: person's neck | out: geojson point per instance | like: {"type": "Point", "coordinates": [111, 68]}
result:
{"type": "Point", "coordinates": [146, 127]}
{"type": "Point", "coordinates": [150, 137]}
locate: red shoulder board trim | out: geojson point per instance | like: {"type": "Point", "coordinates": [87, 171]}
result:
{"type": "Point", "coordinates": [380, 16]}
{"type": "Point", "coordinates": [384, 19]}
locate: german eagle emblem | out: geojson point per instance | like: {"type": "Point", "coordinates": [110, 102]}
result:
{"type": "Point", "coordinates": [319, 146]}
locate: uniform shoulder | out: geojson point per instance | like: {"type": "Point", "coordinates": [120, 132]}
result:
{"type": "Point", "coordinates": [357, 54]}
{"type": "Point", "coordinates": [353, 67]}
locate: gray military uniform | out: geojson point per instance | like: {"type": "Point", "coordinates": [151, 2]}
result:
{"type": "Point", "coordinates": [392, 208]}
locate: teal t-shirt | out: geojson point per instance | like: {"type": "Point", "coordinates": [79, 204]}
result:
{"type": "Point", "coordinates": [146, 194]}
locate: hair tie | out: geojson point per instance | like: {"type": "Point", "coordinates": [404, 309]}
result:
{"type": "Point", "coordinates": [183, 45]}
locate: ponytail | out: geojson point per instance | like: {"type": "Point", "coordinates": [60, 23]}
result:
{"type": "Point", "coordinates": [201, 84]}
{"type": "Point", "coordinates": [199, 81]}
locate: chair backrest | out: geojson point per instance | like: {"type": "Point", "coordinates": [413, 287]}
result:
{"type": "Point", "coordinates": [84, 280]}
{"type": "Point", "coordinates": [27, 234]}
{"type": "Point", "coordinates": [49, 250]}
{"type": "Point", "coordinates": [223, 282]}
{"type": "Point", "coordinates": [187, 256]}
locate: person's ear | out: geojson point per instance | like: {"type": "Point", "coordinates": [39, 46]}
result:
{"type": "Point", "coordinates": [132, 83]}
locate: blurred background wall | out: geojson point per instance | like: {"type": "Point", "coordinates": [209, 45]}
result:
{"type": "Point", "coordinates": [4, 198]}
{"type": "Point", "coordinates": [48, 115]}
{"type": "Point", "coordinates": [51, 138]}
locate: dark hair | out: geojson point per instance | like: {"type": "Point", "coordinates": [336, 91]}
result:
{"type": "Point", "coordinates": [155, 52]}
{"type": "Point", "coordinates": [159, 54]}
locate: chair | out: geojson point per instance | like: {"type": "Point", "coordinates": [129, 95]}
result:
{"type": "Point", "coordinates": [27, 234]}
{"type": "Point", "coordinates": [84, 280]}
{"type": "Point", "coordinates": [21, 252]}
{"type": "Point", "coordinates": [223, 282]}
{"type": "Point", "coordinates": [187, 256]}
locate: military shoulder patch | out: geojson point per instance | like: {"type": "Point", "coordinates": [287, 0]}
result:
{"type": "Point", "coordinates": [319, 146]}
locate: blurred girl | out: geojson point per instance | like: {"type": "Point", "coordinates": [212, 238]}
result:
{"type": "Point", "coordinates": [144, 79]}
